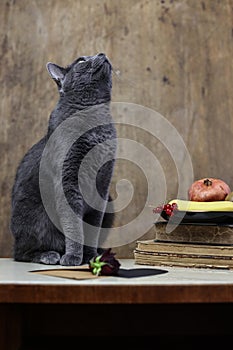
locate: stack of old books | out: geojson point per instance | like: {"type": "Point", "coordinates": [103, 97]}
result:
{"type": "Point", "coordinates": [208, 243]}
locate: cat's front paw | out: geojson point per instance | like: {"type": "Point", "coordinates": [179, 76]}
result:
{"type": "Point", "coordinates": [71, 260]}
{"type": "Point", "coordinates": [49, 258]}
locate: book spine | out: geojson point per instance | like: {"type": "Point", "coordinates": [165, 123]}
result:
{"type": "Point", "coordinates": [169, 260]}
{"type": "Point", "coordinates": [186, 248]}
{"type": "Point", "coordinates": [186, 255]}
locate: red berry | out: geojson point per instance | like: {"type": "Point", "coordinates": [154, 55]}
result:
{"type": "Point", "coordinates": [158, 209]}
{"type": "Point", "coordinates": [168, 208]}
{"type": "Point", "coordinates": [168, 211]}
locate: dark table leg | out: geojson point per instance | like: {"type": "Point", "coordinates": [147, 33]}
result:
{"type": "Point", "coordinates": [10, 327]}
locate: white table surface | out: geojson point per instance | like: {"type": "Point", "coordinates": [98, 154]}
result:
{"type": "Point", "coordinates": [12, 272]}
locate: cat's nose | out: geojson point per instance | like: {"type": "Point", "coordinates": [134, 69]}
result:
{"type": "Point", "coordinates": [103, 57]}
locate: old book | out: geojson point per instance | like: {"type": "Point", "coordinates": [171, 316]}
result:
{"type": "Point", "coordinates": [195, 233]}
{"type": "Point", "coordinates": [154, 245]}
{"type": "Point", "coordinates": [152, 252]}
{"type": "Point", "coordinates": [143, 258]}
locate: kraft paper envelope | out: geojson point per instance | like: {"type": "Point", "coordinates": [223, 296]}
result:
{"type": "Point", "coordinates": [78, 273]}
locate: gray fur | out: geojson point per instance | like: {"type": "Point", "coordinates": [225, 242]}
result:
{"type": "Point", "coordinates": [86, 83]}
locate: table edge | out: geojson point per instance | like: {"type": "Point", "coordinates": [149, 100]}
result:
{"type": "Point", "coordinates": [112, 294]}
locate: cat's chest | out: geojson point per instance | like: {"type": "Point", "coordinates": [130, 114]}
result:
{"type": "Point", "coordinates": [99, 141]}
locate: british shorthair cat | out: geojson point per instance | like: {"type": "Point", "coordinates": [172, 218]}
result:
{"type": "Point", "coordinates": [84, 97]}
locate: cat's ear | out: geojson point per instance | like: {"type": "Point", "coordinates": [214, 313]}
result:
{"type": "Point", "coordinates": [56, 72]}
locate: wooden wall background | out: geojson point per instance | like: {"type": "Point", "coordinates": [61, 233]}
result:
{"type": "Point", "coordinates": [173, 56]}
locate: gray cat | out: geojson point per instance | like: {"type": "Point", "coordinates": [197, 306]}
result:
{"type": "Point", "coordinates": [44, 230]}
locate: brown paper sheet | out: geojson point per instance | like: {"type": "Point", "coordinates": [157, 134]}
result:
{"type": "Point", "coordinates": [77, 273]}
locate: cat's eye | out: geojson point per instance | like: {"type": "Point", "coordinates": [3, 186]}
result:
{"type": "Point", "coordinates": [81, 61]}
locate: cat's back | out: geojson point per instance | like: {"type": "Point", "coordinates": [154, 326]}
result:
{"type": "Point", "coordinates": [27, 174]}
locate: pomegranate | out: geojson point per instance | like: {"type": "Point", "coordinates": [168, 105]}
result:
{"type": "Point", "coordinates": [208, 190]}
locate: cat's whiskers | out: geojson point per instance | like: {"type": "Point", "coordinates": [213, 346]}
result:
{"type": "Point", "coordinates": [118, 75]}
{"type": "Point", "coordinates": [117, 72]}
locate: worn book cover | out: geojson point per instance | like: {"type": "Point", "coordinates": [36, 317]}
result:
{"type": "Point", "coordinates": [153, 252]}
{"type": "Point", "coordinates": [196, 233]}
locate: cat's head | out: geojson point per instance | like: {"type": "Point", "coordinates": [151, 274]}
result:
{"type": "Point", "coordinates": [87, 81]}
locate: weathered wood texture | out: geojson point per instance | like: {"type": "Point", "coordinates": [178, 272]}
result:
{"type": "Point", "coordinates": [174, 57]}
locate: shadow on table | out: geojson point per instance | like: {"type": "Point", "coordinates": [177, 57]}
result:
{"type": "Point", "coordinates": [140, 272]}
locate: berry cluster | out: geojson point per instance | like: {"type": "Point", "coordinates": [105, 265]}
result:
{"type": "Point", "coordinates": [167, 208]}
